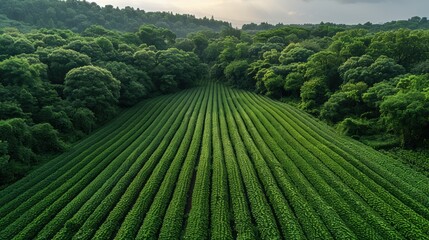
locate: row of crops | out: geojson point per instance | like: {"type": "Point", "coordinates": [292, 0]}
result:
{"type": "Point", "coordinates": [217, 163]}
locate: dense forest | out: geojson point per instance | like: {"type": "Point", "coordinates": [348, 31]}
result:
{"type": "Point", "coordinates": [370, 81]}
{"type": "Point", "coordinates": [78, 15]}
{"type": "Point", "coordinates": [413, 23]}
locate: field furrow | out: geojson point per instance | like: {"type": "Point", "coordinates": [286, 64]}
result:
{"type": "Point", "coordinates": [214, 162]}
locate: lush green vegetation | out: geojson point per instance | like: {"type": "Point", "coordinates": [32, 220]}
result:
{"type": "Point", "coordinates": [322, 28]}
{"type": "Point", "coordinates": [78, 15]}
{"type": "Point", "coordinates": [370, 84]}
{"type": "Point", "coordinates": [213, 162]}
{"type": "Point", "coordinates": [418, 159]}
{"type": "Point", "coordinates": [171, 154]}
{"type": "Point", "coordinates": [57, 85]}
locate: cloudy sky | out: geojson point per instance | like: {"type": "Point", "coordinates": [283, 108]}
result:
{"type": "Point", "coordinates": [286, 11]}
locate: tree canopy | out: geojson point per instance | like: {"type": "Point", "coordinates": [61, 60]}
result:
{"type": "Point", "coordinates": [94, 88]}
{"type": "Point", "coordinates": [79, 15]}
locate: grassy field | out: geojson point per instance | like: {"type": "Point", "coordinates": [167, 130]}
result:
{"type": "Point", "coordinates": [216, 163]}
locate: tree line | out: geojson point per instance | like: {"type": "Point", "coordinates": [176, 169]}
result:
{"type": "Point", "coordinates": [413, 23]}
{"type": "Point", "coordinates": [78, 15]}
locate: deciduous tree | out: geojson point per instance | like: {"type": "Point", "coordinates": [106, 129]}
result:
{"type": "Point", "coordinates": [94, 88]}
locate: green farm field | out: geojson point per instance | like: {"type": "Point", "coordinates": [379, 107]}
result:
{"type": "Point", "coordinates": [212, 162]}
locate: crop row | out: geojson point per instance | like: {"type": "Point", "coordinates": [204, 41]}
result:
{"type": "Point", "coordinates": [319, 194]}
{"type": "Point", "coordinates": [217, 163]}
{"type": "Point", "coordinates": [56, 168]}
{"type": "Point", "coordinates": [220, 209]}
{"type": "Point", "coordinates": [85, 175]}
{"type": "Point", "coordinates": [95, 211]}
{"type": "Point", "coordinates": [49, 200]}
{"type": "Point", "coordinates": [328, 161]}
{"type": "Point", "coordinates": [151, 173]}
{"type": "Point", "coordinates": [197, 226]}
{"type": "Point", "coordinates": [174, 217]}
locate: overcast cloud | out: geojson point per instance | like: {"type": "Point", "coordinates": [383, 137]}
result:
{"type": "Point", "coordinates": [286, 11]}
{"type": "Point", "coordinates": [352, 1]}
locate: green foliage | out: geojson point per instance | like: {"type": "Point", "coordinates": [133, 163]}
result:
{"type": "Point", "coordinates": [418, 158]}
{"type": "Point", "coordinates": [161, 38]}
{"type": "Point", "coordinates": [257, 50]}
{"type": "Point", "coordinates": [289, 34]}
{"type": "Point", "coordinates": [106, 47]}
{"type": "Point", "coordinates": [344, 103]}
{"type": "Point", "coordinates": [22, 45]}
{"type": "Point", "coordinates": [380, 141]}
{"type": "Point", "coordinates": [184, 44]}
{"type": "Point", "coordinates": [212, 51]}
{"type": "Point", "coordinates": [384, 68]}
{"type": "Point", "coordinates": [337, 71]}
{"type": "Point", "coordinates": [17, 134]}
{"type": "Point", "coordinates": [34, 65]}
{"type": "Point", "coordinates": [408, 114]}
{"type": "Point", "coordinates": [256, 71]}
{"type": "Point", "coordinates": [325, 65]}
{"type": "Point", "coordinates": [421, 68]}
{"type": "Point", "coordinates": [11, 110]}
{"type": "Point", "coordinates": [56, 117]}
{"type": "Point", "coordinates": [354, 127]}
{"type": "Point", "coordinates": [46, 139]}
{"type": "Point", "coordinates": [294, 55]}
{"type": "Point", "coordinates": [350, 43]}
{"type": "Point", "coordinates": [273, 82]}
{"type": "Point", "coordinates": [271, 56]}
{"type": "Point", "coordinates": [80, 15]}
{"type": "Point", "coordinates": [157, 171]}
{"type": "Point", "coordinates": [313, 94]}
{"type": "Point", "coordinates": [135, 83]}
{"type": "Point", "coordinates": [377, 93]}
{"type": "Point", "coordinates": [4, 157]}
{"type": "Point", "coordinates": [18, 72]}
{"type": "Point", "coordinates": [200, 41]}
{"type": "Point", "coordinates": [6, 43]}
{"type": "Point", "coordinates": [406, 47]}
{"type": "Point", "coordinates": [53, 41]}
{"type": "Point", "coordinates": [168, 84]}
{"type": "Point", "coordinates": [94, 88]}
{"type": "Point", "coordinates": [230, 32]}
{"type": "Point", "coordinates": [198, 220]}
{"type": "Point", "coordinates": [293, 83]}
{"type": "Point", "coordinates": [61, 61]}
{"type": "Point", "coordinates": [89, 48]}
{"type": "Point", "coordinates": [236, 74]}
{"type": "Point", "coordinates": [145, 59]}
{"type": "Point", "coordinates": [184, 67]}
{"type": "Point", "coordinates": [413, 82]}
{"type": "Point", "coordinates": [84, 120]}
{"type": "Point", "coordinates": [230, 49]}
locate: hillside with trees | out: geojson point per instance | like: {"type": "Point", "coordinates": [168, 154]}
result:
{"type": "Point", "coordinates": [413, 23]}
{"type": "Point", "coordinates": [78, 15]}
